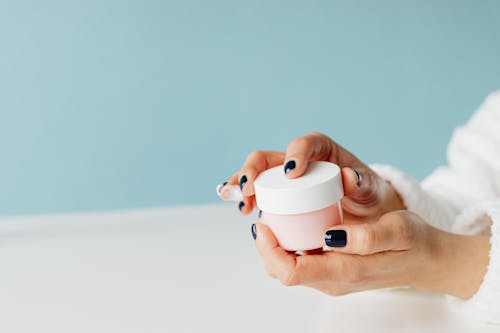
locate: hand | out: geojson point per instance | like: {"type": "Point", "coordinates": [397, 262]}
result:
{"type": "Point", "coordinates": [398, 250]}
{"type": "Point", "coordinates": [366, 195]}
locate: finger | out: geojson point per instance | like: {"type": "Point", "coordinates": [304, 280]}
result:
{"type": "Point", "coordinates": [233, 180]}
{"type": "Point", "coordinates": [363, 190]}
{"type": "Point", "coordinates": [229, 192]}
{"type": "Point", "coordinates": [302, 150]}
{"type": "Point", "coordinates": [358, 182]}
{"type": "Point", "coordinates": [351, 180]}
{"type": "Point", "coordinates": [257, 162]}
{"type": "Point", "coordinates": [393, 232]}
{"type": "Point", "coordinates": [287, 267]}
{"type": "Point", "coordinates": [354, 273]}
{"type": "Point", "coordinates": [275, 258]}
{"type": "Point", "coordinates": [230, 181]}
{"type": "Point", "coordinates": [246, 205]}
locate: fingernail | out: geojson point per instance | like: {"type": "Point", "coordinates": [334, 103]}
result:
{"type": "Point", "coordinates": [260, 214]}
{"type": "Point", "coordinates": [243, 181]}
{"type": "Point", "coordinates": [358, 176]}
{"type": "Point", "coordinates": [254, 231]}
{"type": "Point", "coordinates": [336, 238]}
{"type": "Point", "coordinates": [289, 166]}
{"type": "Point", "coordinates": [241, 205]}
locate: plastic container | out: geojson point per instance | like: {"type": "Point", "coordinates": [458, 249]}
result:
{"type": "Point", "coordinates": [300, 210]}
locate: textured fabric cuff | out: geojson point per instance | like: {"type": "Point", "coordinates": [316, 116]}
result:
{"type": "Point", "coordinates": [484, 304]}
{"type": "Point", "coordinates": [436, 212]}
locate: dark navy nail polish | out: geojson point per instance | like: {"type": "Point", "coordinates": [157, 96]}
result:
{"type": "Point", "coordinates": [243, 181]}
{"type": "Point", "coordinates": [289, 166]}
{"type": "Point", "coordinates": [336, 238]}
{"type": "Point", "coordinates": [254, 231]}
{"type": "Point", "coordinates": [260, 214]}
{"type": "Point", "coordinates": [241, 205]}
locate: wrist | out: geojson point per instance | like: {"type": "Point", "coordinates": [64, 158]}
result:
{"type": "Point", "coordinates": [455, 265]}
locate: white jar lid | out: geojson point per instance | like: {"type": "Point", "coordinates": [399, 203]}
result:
{"type": "Point", "coordinates": [319, 187]}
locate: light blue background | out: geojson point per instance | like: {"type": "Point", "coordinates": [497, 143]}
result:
{"type": "Point", "coordinates": [109, 104]}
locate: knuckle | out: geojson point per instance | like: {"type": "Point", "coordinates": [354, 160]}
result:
{"type": "Point", "coordinates": [405, 232]}
{"type": "Point", "coordinates": [256, 155]}
{"type": "Point", "coordinates": [270, 273]}
{"type": "Point", "coordinates": [290, 277]}
{"type": "Point", "coordinates": [337, 292]}
{"type": "Point", "coordinates": [403, 227]}
{"type": "Point", "coordinates": [301, 143]}
{"type": "Point", "coordinates": [318, 134]}
{"type": "Point", "coordinates": [368, 239]}
{"type": "Point", "coordinates": [321, 136]}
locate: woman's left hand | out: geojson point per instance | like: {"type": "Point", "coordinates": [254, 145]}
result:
{"type": "Point", "coordinates": [398, 250]}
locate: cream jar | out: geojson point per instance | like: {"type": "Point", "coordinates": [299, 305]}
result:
{"type": "Point", "coordinates": [300, 210]}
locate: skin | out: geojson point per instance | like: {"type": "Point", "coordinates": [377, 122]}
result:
{"type": "Point", "coordinates": [399, 249]}
{"type": "Point", "coordinates": [369, 201]}
{"type": "Point", "coordinates": [387, 246]}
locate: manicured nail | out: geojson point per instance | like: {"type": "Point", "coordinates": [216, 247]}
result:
{"type": "Point", "coordinates": [254, 231]}
{"type": "Point", "coordinates": [289, 166]}
{"type": "Point", "coordinates": [241, 205]}
{"type": "Point", "coordinates": [243, 181]}
{"type": "Point", "coordinates": [260, 214]}
{"type": "Point", "coordinates": [220, 186]}
{"type": "Point", "coordinates": [336, 238]}
{"type": "Point", "coordinates": [358, 177]}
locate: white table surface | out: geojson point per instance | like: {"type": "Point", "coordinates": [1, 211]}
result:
{"type": "Point", "coordinates": [184, 269]}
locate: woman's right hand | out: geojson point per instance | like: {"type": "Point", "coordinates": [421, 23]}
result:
{"type": "Point", "coordinates": [366, 195]}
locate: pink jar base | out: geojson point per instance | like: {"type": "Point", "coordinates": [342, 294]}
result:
{"type": "Point", "coordinates": [301, 232]}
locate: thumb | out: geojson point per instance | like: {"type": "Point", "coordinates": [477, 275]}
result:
{"type": "Point", "coordinates": [393, 232]}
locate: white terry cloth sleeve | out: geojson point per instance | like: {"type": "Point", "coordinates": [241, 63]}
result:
{"type": "Point", "coordinates": [436, 211]}
{"type": "Point", "coordinates": [464, 196]}
{"type": "Point", "coordinates": [484, 217]}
